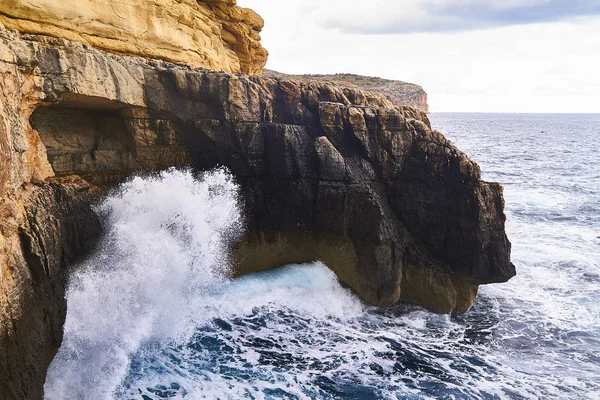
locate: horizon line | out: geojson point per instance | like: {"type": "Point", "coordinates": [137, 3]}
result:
{"type": "Point", "coordinates": [515, 112]}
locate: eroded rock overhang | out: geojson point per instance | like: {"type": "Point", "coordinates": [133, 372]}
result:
{"type": "Point", "coordinates": [322, 168]}
{"type": "Point", "coordinates": [326, 172]}
{"type": "Point", "coordinates": [215, 34]}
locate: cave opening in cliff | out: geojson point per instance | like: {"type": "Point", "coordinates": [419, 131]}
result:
{"type": "Point", "coordinates": [104, 140]}
{"type": "Point", "coordinates": [84, 135]}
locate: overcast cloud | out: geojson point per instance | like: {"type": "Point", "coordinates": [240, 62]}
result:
{"type": "Point", "coordinates": [392, 17]}
{"type": "Point", "coordinates": [543, 58]}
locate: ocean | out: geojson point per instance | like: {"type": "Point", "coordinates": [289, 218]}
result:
{"type": "Point", "coordinates": [152, 314]}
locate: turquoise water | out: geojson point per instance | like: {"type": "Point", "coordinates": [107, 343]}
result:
{"type": "Point", "coordinates": [152, 314]}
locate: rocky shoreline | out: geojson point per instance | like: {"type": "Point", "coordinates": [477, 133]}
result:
{"type": "Point", "coordinates": [326, 172]}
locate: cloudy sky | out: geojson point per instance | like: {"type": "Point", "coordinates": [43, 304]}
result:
{"type": "Point", "coordinates": [469, 55]}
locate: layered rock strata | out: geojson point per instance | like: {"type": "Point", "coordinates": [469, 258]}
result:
{"type": "Point", "coordinates": [44, 227]}
{"type": "Point", "coordinates": [326, 173]}
{"type": "Point", "coordinates": [215, 34]}
{"type": "Point", "coordinates": [398, 92]}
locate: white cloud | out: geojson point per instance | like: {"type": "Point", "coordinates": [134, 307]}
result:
{"type": "Point", "coordinates": [544, 67]}
{"type": "Point", "coordinates": [390, 17]}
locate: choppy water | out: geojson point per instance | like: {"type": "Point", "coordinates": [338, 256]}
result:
{"type": "Point", "coordinates": [152, 315]}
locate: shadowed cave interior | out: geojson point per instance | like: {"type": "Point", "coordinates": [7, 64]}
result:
{"type": "Point", "coordinates": [104, 141]}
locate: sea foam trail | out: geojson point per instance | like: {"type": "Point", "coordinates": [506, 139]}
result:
{"type": "Point", "coordinates": [166, 241]}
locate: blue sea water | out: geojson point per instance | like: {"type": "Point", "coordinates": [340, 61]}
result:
{"type": "Point", "coordinates": [152, 314]}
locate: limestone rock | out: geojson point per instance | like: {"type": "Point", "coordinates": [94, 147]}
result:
{"type": "Point", "coordinates": [213, 34]}
{"type": "Point", "coordinates": [45, 227]}
{"type": "Point", "coordinates": [327, 172]}
{"type": "Point", "coordinates": [399, 93]}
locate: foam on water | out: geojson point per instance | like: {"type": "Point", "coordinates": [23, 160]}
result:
{"type": "Point", "coordinates": [166, 240]}
{"type": "Point", "coordinates": [152, 315]}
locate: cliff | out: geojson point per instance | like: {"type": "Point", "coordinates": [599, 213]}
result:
{"type": "Point", "coordinates": [326, 172]}
{"type": "Point", "coordinates": [215, 34]}
{"type": "Point", "coordinates": [398, 92]}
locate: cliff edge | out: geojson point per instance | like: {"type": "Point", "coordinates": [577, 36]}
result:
{"type": "Point", "coordinates": [398, 92]}
{"type": "Point", "coordinates": [214, 34]}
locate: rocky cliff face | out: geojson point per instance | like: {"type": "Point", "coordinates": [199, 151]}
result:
{"type": "Point", "coordinates": [327, 173]}
{"type": "Point", "coordinates": [215, 34]}
{"type": "Point", "coordinates": [398, 92]}
{"type": "Point", "coordinates": [44, 227]}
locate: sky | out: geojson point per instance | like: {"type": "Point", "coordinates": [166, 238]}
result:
{"type": "Point", "coordinates": [469, 55]}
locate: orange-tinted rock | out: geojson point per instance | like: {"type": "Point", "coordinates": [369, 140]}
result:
{"type": "Point", "coordinates": [213, 34]}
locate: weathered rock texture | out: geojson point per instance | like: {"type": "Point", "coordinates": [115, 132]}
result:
{"type": "Point", "coordinates": [44, 227]}
{"type": "Point", "coordinates": [214, 34]}
{"type": "Point", "coordinates": [326, 173]}
{"type": "Point", "coordinates": [398, 92]}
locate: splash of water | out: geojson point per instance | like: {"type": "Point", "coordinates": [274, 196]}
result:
{"type": "Point", "coordinates": [152, 315]}
{"type": "Point", "coordinates": [166, 240]}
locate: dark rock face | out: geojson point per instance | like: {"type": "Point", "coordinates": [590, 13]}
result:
{"type": "Point", "coordinates": [327, 173]}
{"type": "Point", "coordinates": [391, 206]}
{"type": "Point", "coordinates": [59, 226]}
